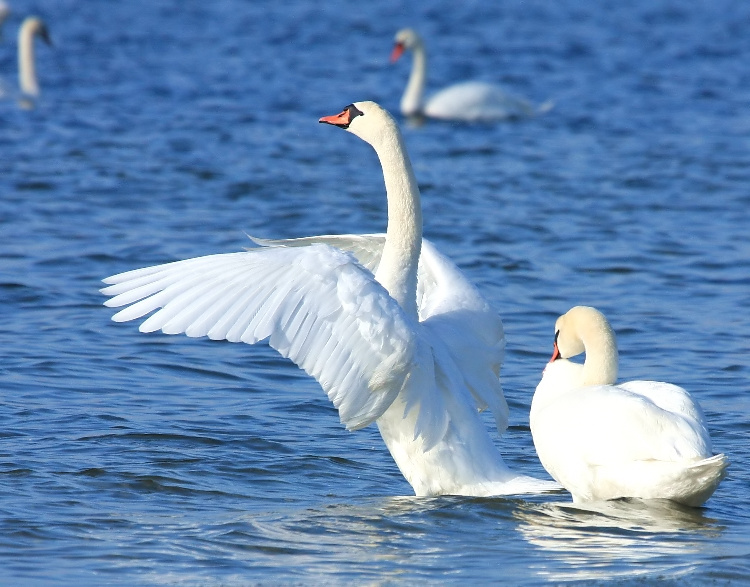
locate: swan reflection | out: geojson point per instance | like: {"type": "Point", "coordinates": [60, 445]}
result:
{"type": "Point", "coordinates": [621, 538]}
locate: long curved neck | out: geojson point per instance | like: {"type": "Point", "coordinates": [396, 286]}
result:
{"type": "Point", "coordinates": [26, 67]}
{"type": "Point", "coordinates": [600, 366]}
{"type": "Point", "coordinates": [411, 101]}
{"type": "Point", "coordinates": [397, 271]}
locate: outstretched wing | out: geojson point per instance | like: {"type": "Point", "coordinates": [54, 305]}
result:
{"type": "Point", "coordinates": [454, 310]}
{"type": "Point", "coordinates": [450, 308]}
{"type": "Point", "coordinates": [317, 305]}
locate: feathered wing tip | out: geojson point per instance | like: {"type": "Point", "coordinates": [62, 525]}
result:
{"type": "Point", "coordinates": [719, 463]}
{"type": "Point", "coordinates": [711, 471]}
{"type": "Point", "coordinates": [688, 483]}
{"type": "Point", "coordinates": [705, 476]}
{"type": "Point", "coordinates": [425, 394]}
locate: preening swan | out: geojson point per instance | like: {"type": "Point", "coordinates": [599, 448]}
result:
{"type": "Point", "coordinates": [601, 441]}
{"type": "Point", "coordinates": [31, 27]}
{"type": "Point", "coordinates": [467, 101]}
{"type": "Point", "coordinates": [390, 328]}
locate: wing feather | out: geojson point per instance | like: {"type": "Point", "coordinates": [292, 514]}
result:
{"type": "Point", "coordinates": [310, 302]}
{"type": "Point", "coordinates": [450, 309]}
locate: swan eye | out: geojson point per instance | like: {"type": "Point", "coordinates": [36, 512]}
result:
{"type": "Point", "coordinates": [44, 35]}
{"type": "Point", "coordinates": [353, 112]}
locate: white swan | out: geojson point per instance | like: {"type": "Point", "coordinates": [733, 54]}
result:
{"type": "Point", "coordinates": [601, 441]}
{"type": "Point", "coordinates": [27, 80]}
{"type": "Point", "coordinates": [467, 101]}
{"type": "Point", "coordinates": [393, 336]}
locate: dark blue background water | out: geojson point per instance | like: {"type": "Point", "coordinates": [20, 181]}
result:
{"type": "Point", "coordinates": [167, 130]}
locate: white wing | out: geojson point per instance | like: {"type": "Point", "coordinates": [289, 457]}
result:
{"type": "Point", "coordinates": [319, 307]}
{"type": "Point", "coordinates": [610, 425]}
{"type": "Point", "coordinates": [450, 309]}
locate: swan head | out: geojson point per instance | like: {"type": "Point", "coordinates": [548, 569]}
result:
{"type": "Point", "coordinates": [33, 25]}
{"type": "Point", "coordinates": [405, 39]}
{"type": "Point", "coordinates": [584, 328]}
{"type": "Point", "coordinates": [368, 120]}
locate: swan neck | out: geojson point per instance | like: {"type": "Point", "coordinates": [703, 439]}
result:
{"type": "Point", "coordinates": [397, 271]}
{"type": "Point", "coordinates": [601, 364]}
{"type": "Point", "coordinates": [26, 65]}
{"type": "Point", "coordinates": [411, 101]}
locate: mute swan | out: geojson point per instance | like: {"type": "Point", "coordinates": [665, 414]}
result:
{"type": "Point", "coordinates": [31, 27]}
{"type": "Point", "coordinates": [601, 441]}
{"type": "Point", "coordinates": [467, 101]}
{"type": "Point", "coordinates": [393, 336]}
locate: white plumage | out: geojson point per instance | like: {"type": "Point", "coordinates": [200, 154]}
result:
{"type": "Point", "coordinates": [315, 304]}
{"type": "Point", "coordinates": [27, 79]}
{"type": "Point", "coordinates": [390, 328]}
{"type": "Point", "coordinates": [472, 101]}
{"type": "Point", "coordinates": [602, 440]}
{"type": "Point", "coordinates": [28, 83]}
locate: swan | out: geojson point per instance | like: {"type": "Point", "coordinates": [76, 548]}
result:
{"type": "Point", "coordinates": [389, 327]}
{"type": "Point", "coordinates": [4, 14]}
{"type": "Point", "coordinates": [31, 27]}
{"type": "Point", "coordinates": [468, 101]}
{"type": "Point", "coordinates": [602, 440]}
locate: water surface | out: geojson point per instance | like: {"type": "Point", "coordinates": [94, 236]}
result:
{"type": "Point", "coordinates": [168, 130]}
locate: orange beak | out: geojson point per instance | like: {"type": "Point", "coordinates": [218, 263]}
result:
{"type": "Point", "coordinates": [398, 51]}
{"type": "Point", "coordinates": [555, 352]}
{"type": "Point", "coordinates": [342, 119]}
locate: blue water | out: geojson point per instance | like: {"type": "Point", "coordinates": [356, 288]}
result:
{"type": "Point", "coordinates": [168, 130]}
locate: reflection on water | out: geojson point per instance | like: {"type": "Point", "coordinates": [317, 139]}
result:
{"type": "Point", "coordinates": [411, 539]}
{"type": "Point", "coordinates": [622, 538]}
{"type": "Point", "coordinates": [381, 539]}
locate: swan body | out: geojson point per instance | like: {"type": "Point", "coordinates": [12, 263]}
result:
{"type": "Point", "coordinates": [602, 440]}
{"type": "Point", "coordinates": [389, 327]}
{"type": "Point", "coordinates": [32, 27]}
{"type": "Point", "coordinates": [468, 101]}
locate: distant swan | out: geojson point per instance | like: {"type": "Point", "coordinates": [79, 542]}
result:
{"type": "Point", "coordinates": [31, 27]}
{"type": "Point", "coordinates": [644, 439]}
{"type": "Point", "coordinates": [4, 14]}
{"type": "Point", "coordinates": [467, 101]}
{"type": "Point", "coordinates": [389, 327]}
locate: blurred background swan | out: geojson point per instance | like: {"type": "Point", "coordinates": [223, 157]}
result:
{"type": "Point", "coordinates": [28, 83]}
{"type": "Point", "coordinates": [471, 101]}
{"type": "Point", "coordinates": [4, 13]}
{"type": "Point", "coordinates": [27, 80]}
